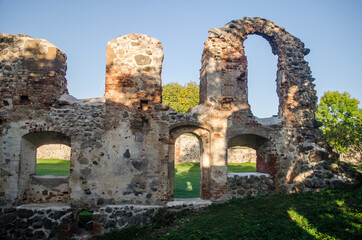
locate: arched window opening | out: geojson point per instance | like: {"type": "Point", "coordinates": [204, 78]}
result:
{"type": "Point", "coordinates": [244, 153]}
{"type": "Point", "coordinates": [262, 70]}
{"type": "Point", "coordinates": [53, 159]}
{"type": "Point", "coordinates": [187, 166]}
{"type": "Point", "coordinates": [241, 159]}
{"type": "Point", "coordinates": [35, 188]}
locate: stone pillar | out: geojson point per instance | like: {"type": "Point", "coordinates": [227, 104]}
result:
{"type": "Point", "coordinates": [133, 71]}
{"type": "Point", "coordinates": [32, 72]}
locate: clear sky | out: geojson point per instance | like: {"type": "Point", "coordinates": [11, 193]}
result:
{"type": "Point", "coordinates": [332, 29]}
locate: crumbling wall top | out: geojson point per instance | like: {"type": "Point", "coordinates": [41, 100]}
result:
{"type": "Point", "coordinates": [32, 71]}
{"type": "Point", "coordinates": [133, 71]}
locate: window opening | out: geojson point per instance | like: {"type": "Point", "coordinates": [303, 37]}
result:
{"type": "Point", "coordinates": [241, 159]}
{"type": "Point", "coordinates": [53, 159]}
{"type": "Point", "coordinates": [187, 166]}
{"type": "Point", "coordinates": [262, 71]}
{"type": "Point", "coordinates": [243, 153]}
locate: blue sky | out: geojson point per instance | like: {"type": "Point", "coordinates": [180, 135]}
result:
{"type": "Point", "coordinates": [82, 28]}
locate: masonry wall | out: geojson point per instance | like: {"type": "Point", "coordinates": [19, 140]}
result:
{"type": "Point", "coordinates": [123, 146]}
{"type": "Point", "coordinates": [133, 71]}
{"type": "Point", "coordinates": [34, 222]}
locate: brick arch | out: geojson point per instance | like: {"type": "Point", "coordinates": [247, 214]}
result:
{"type": "Point", "coordinates": [203, 135]}
{"type": "Point", "coordinates": [224, 70]}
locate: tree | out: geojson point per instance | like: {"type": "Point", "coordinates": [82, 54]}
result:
{"type": "Point", "coordinates": [342, 121]}
{"type": "Point", "coordinates": [181, 98]}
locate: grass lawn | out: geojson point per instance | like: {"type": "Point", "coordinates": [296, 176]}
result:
{"type": "Point", "coordinates": [332, 214]}
{"type": "Point", "coordinates": [241, 167]}
{"type": "Point", "coordinates": [187, 177]}
{"type": "Point", "coordinates": [187, 180]}
{"type": "Point", "coordinates": [55, 167]}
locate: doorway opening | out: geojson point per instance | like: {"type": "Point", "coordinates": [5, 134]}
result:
{"type": "Point", "coordinates": [187, 166]}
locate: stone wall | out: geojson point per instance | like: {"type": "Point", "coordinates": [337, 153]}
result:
{"type": "Point", "coordinates": [133, 71]}
{"type": "Point", "coordinates": [123, 146]}
{"type": "Point", "coordinates": [53, 151]}
{"type": "Point", "coordinates": [32, 72]}
{"type": "Point", "coordinates": [249, 184]}
{"type": "Point", "coordinates": [241, 155]}
{"type": "Point", "coordinates": [110, 217]}
{"type": "Point", "coordinates": [187, 149]}
{"type": "Point", "coordinates": [36, 222]}
{"type": "Point", "coordinates": [47, 189]}
{"type": "Point", "coordinates": [353, 156]}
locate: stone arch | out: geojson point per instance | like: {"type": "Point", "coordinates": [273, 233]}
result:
{"type": "Point", "coordinates": [224, 69]}
{"type": "Point", "coordinates": [44, 185]}
{"type": "Point", "coordinates": [203, 136]}
{"type": "Point", "coordinates": [261, 74]}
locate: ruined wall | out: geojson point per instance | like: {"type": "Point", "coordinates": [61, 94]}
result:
{"type": "Point", "coordinates": [123, 146]}
{"type": "Point", "coordinates": [224, 68]}
{"type": "Point", "coordinates": [133, 71]}
{"type": "Point", "coordinates": [241, 185]}
{"type": "Point", "coordinates": [53, 151]}
{"type": "Point", "coordinates": [32, 72]}
{"type": "Point", "coordinates": [36, 222]}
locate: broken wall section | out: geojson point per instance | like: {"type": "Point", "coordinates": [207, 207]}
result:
{"type": "Point", "coordinates": [133, 71]}
{"type": "Point", "coordinates": [32, 72]}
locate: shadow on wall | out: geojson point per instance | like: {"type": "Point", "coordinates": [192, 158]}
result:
{"type": "Point", "coordinates": [42, 67]}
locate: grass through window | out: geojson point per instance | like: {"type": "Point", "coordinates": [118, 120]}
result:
{"type": "Point", "coordinates": [187, 177]}
{"type": "Point", "coordinates": [56, 167]}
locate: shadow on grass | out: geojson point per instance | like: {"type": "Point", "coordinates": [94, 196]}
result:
{"type": "Point", "coordinates": [187, 180]}
{"type": "Point", "coordinates": [328, 215]}
{"type": "Point", "coordinates": [187, 177]}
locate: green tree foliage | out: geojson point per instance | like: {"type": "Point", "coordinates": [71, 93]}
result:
{"type": "Point", "coordinates": [179, 97]}
{"type": "Point", "coordinates": [342, 121]}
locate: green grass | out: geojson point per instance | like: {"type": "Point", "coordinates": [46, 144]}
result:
{"type": "Point", "coordinates": [187, 177]}
{"type": "Point", "coordinates": [241, 167]}
{"type": "Point", "coordinates": [187, 180]}
{"type": "Point", "coordinates": [55, 167]}
{"type": "Point", "coordinates": [332, 214]}
{"type": "Point", "coordinates": [84, 217]}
